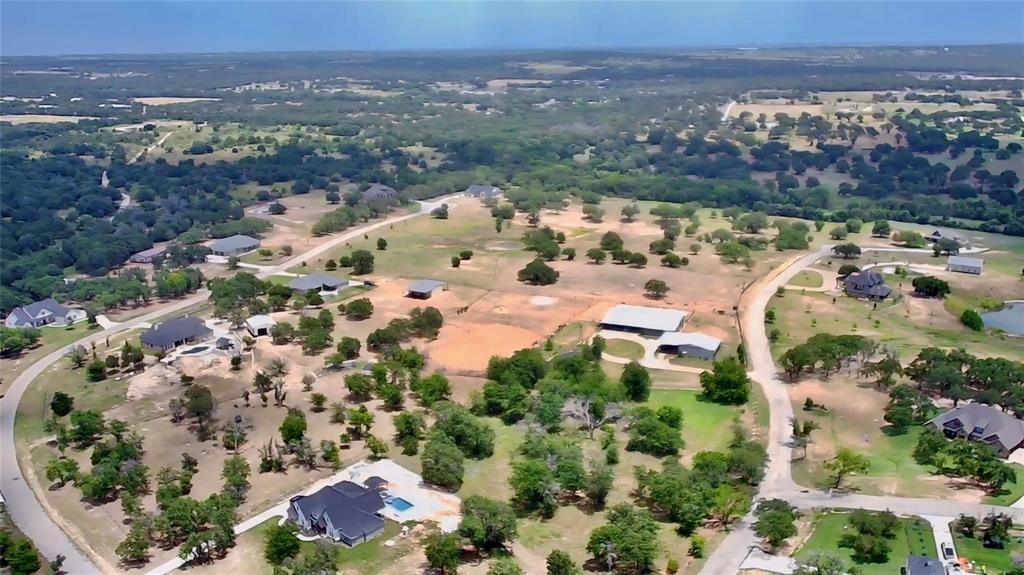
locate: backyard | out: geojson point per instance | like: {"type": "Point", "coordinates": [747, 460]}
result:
{"type": "Point", "coordinates": [913, 537]}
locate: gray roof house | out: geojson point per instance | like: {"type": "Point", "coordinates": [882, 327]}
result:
{"type": "Point", "coordinates": [45, 312]}
{"type": "Point", "coordinates": [690, 344]}
{"type": "Point", "coordinates": [423, 289]}
{"type": "Point", "coordinates": [964, 264]}
{"type": "Point", "coordinates": [317, 282]}
{"type": "Point", "coordinates": [939, 234]}
{"type": "Point", "coordinates": [234, 245]}
{"type": "Point", "coordinates": [919, 565]}
{"type": "Point", "coordinates": [380, 192]}
{"type": "Point", "coordinates": [984, 424]}
{"type": "Point", "coordinates": [866, 284]}
{"type": "Point", "coordinates": [175, 332]}
{"type": "Point", "coordinates": [652, 321]}
{"type": "Point", "coordinates": [346, 512]}
{"type": "Point", "coordinates": [146, 256]}
{"type": "Point", "coordinates": [483, 192]}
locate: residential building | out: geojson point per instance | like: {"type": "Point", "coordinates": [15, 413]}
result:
{"type": "Point", "coordinates": [982, 423]}
{"type": "Point", "coordinates": [966, 265]}
{"type": "Point", "coordinates": [379, 192]}
{"type": "Point", "coordinates": [690, 344]}
{"type": "Point", "coordinates": [423, 289]}
{"type": "Point", "coordinates": [346, 512]}
{"type": "Point", "coordinates": [146, 256]}
{"type": "Point", "coordinates": [234, 245]}
{"type": "Point", "coordinates": [483, 192]}
{"type": "Point", "coordinates": [175, 333]}
{"type": "Point", "coordinates": [939, 234]}
{"type": "Point", "coordinates": [45, 312]}
{"type": "Point", "coordinates": [919, 565]}
{"type": "Point", "coordinates": [866, 284]}
{"type": "Point", "coordinates": [316, 282]}
{"type": "Point", "coordinates": [649, 321]}
{"type": "Point", "coordinates": [259, 325]}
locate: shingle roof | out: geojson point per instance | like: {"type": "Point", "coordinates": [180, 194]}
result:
{"type": "Point", "coordinates": [153, 251]}
{"type": "Point", "coordinates": [642, 317]}
{"type": "Point", "coordinates": [316, 280]}
{"type": "Point", "coordinates": [966, 262]}
{"type": "Point", "coordinates": [234, 243]}
{"type": "Point", "coordinates": [918, 565]}
{"type": "Point", "coordinates": [175, 330]}
{"type": "Point", "coordinates": [426, 286]}
{"type": "Point", "coordinates": [49, 304]}
{"type": "Point", "coordinates": [867, 283]}
{"type": "Point", "coordinates": [700, 340]}
{"type": "Point", "coordinates": [379, 191]}
{"type": "Point", "coordinates": [351, 508]}
{"type": "Point", "coordinates": [983, 423]}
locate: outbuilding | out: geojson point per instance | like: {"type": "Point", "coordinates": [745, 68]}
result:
{"type": "Point", "coordinates": [690, 344]}
{"type": "Point", "coordinates": [146, 256]}
{"type": "Point", "coordinates": [649, 321]}
{"type": "Point", "coordinates": [234, 245]}
{"type": "Point", "coordinates": [423, 289]}
{"type": "Point", "coordinates": [316, 282]}
{"type": "Point", "coordinates": [966, 265]}
{"type": "Point", "coordinates": [379, 192]}
{"type": "Point", "coordinates": [259, 325]}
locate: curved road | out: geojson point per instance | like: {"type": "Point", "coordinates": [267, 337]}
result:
{"type": "Point", "coordinates": [21, 502]}
{"type": "Point", "coordinates": [778, 481]}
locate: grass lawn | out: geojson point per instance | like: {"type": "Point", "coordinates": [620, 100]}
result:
{"type": "Point", "coordinates": [1013, 491]}
{"type": "Point", "coordinates": [489, 477]}
{"type": "Point", "coordinates": [52, 338]}
{"type": "Point", "coordinates": [706, 426]}
{"type": "Point", "coordinates": [807, 278]}
{"type": "Point", "coordinates": [914, 537]}
{"type": "Point", "coordinates": [370, 557]}
{"type": "Point", "coordinates": [624, 348]}
{"type": "Point", "coordinates": [989, 560]}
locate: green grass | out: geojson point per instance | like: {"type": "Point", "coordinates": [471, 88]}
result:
{"type": "Point", "coordinates": [807, 278]}
{"type": "Point", "coordinates": [51, 338]}
{"type": "Point", "coordinates": [913, 537]}
{"type": "Point", "coordinates": [706, 426]}
{"type": "Point", "coordinates": [489, 477]}
{"type": "Point", "coordinates": [369, 557]}
{"type": "Point", "coordinates": [1012, 491]}
{"type": "Point", "coordinates": [624, 348]}
{"type": "Point", "coordinates": [988, 560]}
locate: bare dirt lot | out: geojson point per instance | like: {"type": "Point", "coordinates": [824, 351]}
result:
{"type": "Point", "coordinates": [42, 118]}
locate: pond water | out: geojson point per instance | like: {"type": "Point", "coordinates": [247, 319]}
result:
{"type": "Point", "coordinates": [1009, 319]}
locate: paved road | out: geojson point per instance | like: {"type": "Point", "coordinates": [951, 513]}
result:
{"type": "Point", "coordinates": [778, 481]}
{"type": "Point", "coordinates": [22, 505]}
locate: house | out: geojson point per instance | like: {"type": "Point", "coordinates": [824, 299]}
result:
{"type": "Point", "coordinates": [346, 512]}
{"type": "Point", "coordinates": [649, 321]}
{"type": "Point", "coordinates": [866, 284]}
{"type": "Point", "coordinates": [939, 234]}
{"type": "Point", "coordinates": [316, 282]}
{"type": "Point", "coordinates": [259, 325]}
{"type": "Point", "coordinates": [984, 424]}
{"type": "Point", "coordinates": [40, 313]}
{"type": "Point", "coordinates": [964, 264]}
{"type": "Point", "coordinates": [175, 333]}
{"type": "Point", "coordinates": [483, 192]}
{"type": "Point", "coordinates": [146, 256]}
{"type": "Point", "coordinates": [423, 289]}
{"type": "Point", "coordinates": [234, 245]}
{"type": "Point", "coordinates": [379, 192]}
{"type": "Point", "coordinates": [919, 565]}
{"type": "Point", "coordinates": [690, 344]}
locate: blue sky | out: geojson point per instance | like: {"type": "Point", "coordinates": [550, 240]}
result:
{"type": "Point", "coordinates": [42, 27]}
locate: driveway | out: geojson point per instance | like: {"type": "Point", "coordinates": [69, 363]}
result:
{"type": "Point", "coordinates": [650, 360]}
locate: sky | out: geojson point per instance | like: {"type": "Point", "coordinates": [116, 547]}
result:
{"type": "Point", "coordinates": [41, 27]}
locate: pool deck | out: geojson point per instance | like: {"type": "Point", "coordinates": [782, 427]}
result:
{"type": "Point", "coordinates": [428, 504]}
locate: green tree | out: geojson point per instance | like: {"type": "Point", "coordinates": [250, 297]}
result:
{"type": "Point", "coordinates": [61, 470]}
{"type": "Point", "coordinates": [845, 463]}
{"type": "Point", "coordinates": [776, 522]}
{"type": "Point", "coordinates": [847, 250]}
{"type": "Point", "coordinates": [538, 273]}
{"type": "Point", "coordinates": [611, 241]}
{"type": "Point", "coordinates": [930, 286]}
{"type": "Point", "coordinates": [972, 320]}
{"type": "Point", "coordinates": [443, 552]}
{"type": "Point", "coordinates": [486, 523]}
{"type": "Point", "coordinates": [881, 229]}
{"type": "Point", "coordinates": [62, 404]}
{"type": "Point", "coordinates": [382, 244]}
{"type": "Point", "coordinates": [597, 255]}
{"type": "Point", "coordinates": [280, 543]}
{"type": "Point", "coordinates": [21, 557]}
{"type": "Point", "coordinates": [726, 383]}
{"type": "Point", "coordinates": [656, 288]}
{"type": "Point", "coordinates": [560, 563]}
{"type": "Point", "coordinates": [362, 262]}
{"type": "Point", "coordinates": [442, 462]}
{"type": "Point", "coordinates": [628, 542]}
{"type": "Point", "coordinates": [293, 428]}
{"type": "Point", "coordinates": [637, 381]}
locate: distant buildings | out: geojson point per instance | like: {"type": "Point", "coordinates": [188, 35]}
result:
{"type": "Point", "coordinates": [146, 256]}
{"type": "Point", "coordinates": [175, 333]}
{"type": "Point", "coordinates": [649, 321]}
{"type": "Point", "coordinates": [41, 313]}
{"type": "Point", "coordinates": [939, 234]}
{"type": "Point", "coordinates": [964, 264]}
{"type": "Point", "coordinates": [984, 424]}
{"type": "Point", "coordinates": [234, 245]}
{"type": "Point", "coordinates": [866, 284]}
{"type": "Point", "coordinates": [483, 192]}
{"type": "Point", "coordinates": [423, 289]}
{"type": "Point", "coordinates": [316, 282]}
{"type": "Point", "coordinates": [346, 512]}
{"type": "Point", "coordinates": [379, 192]}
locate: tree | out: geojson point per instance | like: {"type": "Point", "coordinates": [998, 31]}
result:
{"type": "Point", "coordinates": [597, 255]}
{"type": "Point", "coordinates": [776, 522]}
{"type": "Point", "coordinates": [85, 427]}
{"type": "Point", "coordinates": [362, 262]}
{"type": "Point", "coordinates": [293, 428]}
{"type": "Point", "coordinates": [61, 470]}
{"type": "Point", "coordinates": [930, 286]}
{"type": "Point", "coordinates": [630, 211]}
{"type": "Point", "coordinates": [946, 247]}
{"type": "Point", "coordinates": [382, 244]}
{"type": "Point", "coordinates": [280, 543]}
{"type": "Point", "coordinates": [96, 371]}
{"type": "Point", "coordinates": [671, 260]}
{"type": "Point", "coordinates": [821, 563]}
{"type": "Point", "coordinates": [839, 233]}
{"type": "Point", "coordinates": [599, 484]}
{"type": "Point", "coordinates": [909, 239]}
{"type": "Point", "coordinates": [62, 404]}
{"type": "Point", "coordinates": [443, 551]}
{"type": "Point", "coordinates": [846, 251]}
{"type": "Point", "coordinates": [846, 463]}
{"type": "Point", "coordinates": [972, 320]}
{"type": "Point", "coordinates": [560, 563]}
{"type": "Point", "coordinates": [236, 477]}
{"type": "Point", "coordinates": [629, 541]}
{"type": "Point", "coordinates": [726, 383]}
{"type": "Point", "coordinates": [442, 462]}
{"type": "Point", "coordinates": [637, 381]}
{"type": "Point", "coordinates": [377, 446]}
{"type": "Point", "coordinates": [881, 229]}
{"type": "Point", "coordinates": [637, 260]}
{"type": "Point", "coordinates": [611, 241]}
{"type": "Point", "coordinates": [504, 566]}
{"type": "Point", "coordinates": [538, 273]}
{"type": "Point", "coordinates": [487, 524]}
{"type": "Point", "coordinates": [21, 557]}
{"type": "Point", "coordinates": [359, 309]}
{"type": "Point", "coordinates": [656, 288]}
{"type": "Point", "coordinates": [533, 486]}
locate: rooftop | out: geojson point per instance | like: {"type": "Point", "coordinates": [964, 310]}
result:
{"type": "Point", "coordinates": [919, 565]}
{"type": "Point", "coordinates": [35, 309]}
{"type": "Point", "coordinates": [175, 330]}
{"type": "Point", "coordinates": [966, 261]}
{"type": "Point", "coordinates": [700, 340]}
{"type": "Point", "coordinates": [984, 423]}
{"type": "Point", "coordinates": [642, 317]}
{"type": "Point", "coordinates": [234, 242]}
{"type": "Point", "coordinates": [260, 321]}
{"type": "Point", "coordinates": [316, 280]}
{"type": "Point", "coordinates": [426, 286]}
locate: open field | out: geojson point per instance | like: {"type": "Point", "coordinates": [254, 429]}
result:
{"type": "Point", "coordinates": [52, 338]}
{"type": "Point", "coordinates": [913, 537]}
{"type": "Point", "coordinates": [42, 118]}
{"type": "Point", "coordinates": [168, 101]}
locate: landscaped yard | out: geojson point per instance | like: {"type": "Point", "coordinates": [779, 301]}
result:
{"type": "Point", "coordinates": [913, 537]}
{"type": "Point", "coordinates": [706, 426]}
{"type": "Point", "coordinates": [52, 338]}
{"type": "Point", "coordinates": [990, 560]}
{"type": "Point", "coordinates": [624, 348]}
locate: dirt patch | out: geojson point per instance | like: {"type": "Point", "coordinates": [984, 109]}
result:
{"type": "Point", "coordinates": [571, 222]}
{"type": "Point", "coordinates": [42, 118]}
{"type": "Point", "coordinates": [468, 347]}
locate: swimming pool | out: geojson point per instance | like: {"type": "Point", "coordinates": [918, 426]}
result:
{"type": "Point", "coordinates": [398, 504]}
{"type": "Point", "coordinates": [195, 350]}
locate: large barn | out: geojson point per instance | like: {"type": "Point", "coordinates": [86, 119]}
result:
{"type": "Point", "coordinates": [649, 321]}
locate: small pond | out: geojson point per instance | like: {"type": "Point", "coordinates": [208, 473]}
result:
{"type": "Point", "coordinates": [1009, 319]}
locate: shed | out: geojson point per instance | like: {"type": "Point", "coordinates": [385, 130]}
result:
{"type": "Point", "coordinates": [690, 344]}
{"type": "Point", "coordinates": [259, 325]}
{"type": "Point", "coordinates": [423, 289]}
{"type": "Point", "coordinates": [650, 321]}
{"type": "Point", "coordinates": [175, 332]}
{"type": "Point", "coordinates": [146, 256]}
{"type": "Point", "coordinates": [316, 282]}
{"type": "Point", "coordinates": [964, 264]}
{"type": "Point", "coordinates": [234, 245]}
